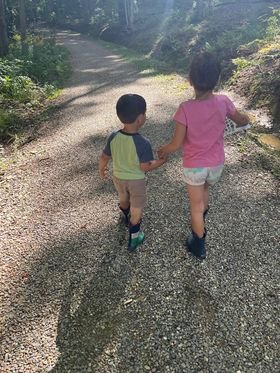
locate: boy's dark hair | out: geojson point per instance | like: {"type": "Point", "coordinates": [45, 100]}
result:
{"type": "Point", "coordinates": [205, 72]}
{"type": "Point", "coordinates": [129, 107]}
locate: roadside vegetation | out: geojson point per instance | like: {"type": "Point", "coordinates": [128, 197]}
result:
{"type": "Point", "coordinates": [159, 37]}
{"type": "Point", "coordinates": [245, 37]}
{"type": "Point", "coordinates": [30, 77]}
{"type": "Point", "coordinates": [257, 69]}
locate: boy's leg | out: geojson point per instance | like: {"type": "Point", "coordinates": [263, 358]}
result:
{"type": "Point", "coordinates": [197, 197]}
{"type": "Point", "coordinates": [136, 236]}
{"type": "Point", "coordinates": [135, 215]}
{"type": "Point", "coordinates": [124, 204]}
{"type": "Point", "coordinates": [137, 190]}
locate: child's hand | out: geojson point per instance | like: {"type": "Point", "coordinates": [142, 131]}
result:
{"type": "Point", "coordinates": [161, 154]}
{"type": "Point", "coordinates": [103, 173]}
{"type": "Point", "coordinates": [103, 161]}
{"type": "Point", "coordinates": [164, 157]}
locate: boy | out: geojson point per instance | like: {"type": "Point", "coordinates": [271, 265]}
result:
{"type": "Point", "coordinates": [132, 156]}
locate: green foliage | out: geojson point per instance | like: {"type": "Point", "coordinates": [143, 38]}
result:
{"type": "Point", "coordinates": [28, 75]}
{"type": "Point", "coordinates": [13, 84]}
{"type": "Point", "coordinates": [7, 120]}
{"type": "Point", "coordinates": [226, 43]}
{"type": "Point", "coordinates": [43, 61]}
{"type": "Point", "coordinates": [241, 63]}
{"type": "Point", "coordinates": [273, 25]}
{"type": "Point", "coordinates": [100, 20]}
{"type": "Point", "coordinates": [256, 72]}
{"type": "Point", "coordinates": [20, 88]}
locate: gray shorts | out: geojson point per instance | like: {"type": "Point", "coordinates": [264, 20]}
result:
{"type": "Point", "coordinates": [202, 175]}
{"type": "Point", "coordinates": [131, 190]}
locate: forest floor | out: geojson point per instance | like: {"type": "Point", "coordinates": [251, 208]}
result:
{"type": "Point", "coordinates": [74, 300]}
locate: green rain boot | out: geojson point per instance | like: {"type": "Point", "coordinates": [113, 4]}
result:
{"type": "Point", "coordinates": [136, 237]}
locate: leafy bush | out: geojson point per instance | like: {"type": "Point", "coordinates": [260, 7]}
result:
{"type": "Point", "coordinates": [7, 120]}
{"type": "Point", "coordinates": [99, 21]}
{"type": "Point", "coordinates": [227, 43]}
{"type": "Point", "coordinates": [273, 25]}
{"type": "Point", "coordinates": [19, 88]}
{"type": "Point", "coordinates": [43, 61]}
{"type": "Point", "coordinates": [28, 75]}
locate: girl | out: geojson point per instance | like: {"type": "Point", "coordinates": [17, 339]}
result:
{"type": "Point", "coordinates": [200, 124]}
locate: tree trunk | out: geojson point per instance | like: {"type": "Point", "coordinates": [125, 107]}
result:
{"type": "Point", "coordinates": [121, 11]}
{"type": "Point", "coordinates": [126, 13]}
{"type": "Point", "coordinates": [129, 13]}
{"type": "Point", "coordinates": [86, 11]}
{"type": "Point", "coordinates": [201, 9]}
{"type": "Point", "coordinates": [22, 20]}
{"type": "Point", "coordinates": [4, 43]}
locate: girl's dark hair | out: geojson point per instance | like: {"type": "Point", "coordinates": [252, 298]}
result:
{"type": "Point", "coordinates": [205, 72]}
{"type": "Point", "coordinates": [129, 107]}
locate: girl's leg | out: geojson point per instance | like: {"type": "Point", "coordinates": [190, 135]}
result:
{"type": "Point", "coordinates": [206, 196]}
{"type": "Point", "coordinates": [197, 197]}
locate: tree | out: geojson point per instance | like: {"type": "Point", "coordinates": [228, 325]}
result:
{"type": "Point", "coordinates": [129, 13]}
{"type": "Point", "coordinates": [22, 20]}
{"type": "Point", "coordinates": [126, 13]}
{"type": "Point", "coordinates": [86, 10]}
{"type": "Point", "coordinates": [4, 43]}
{"type": "Point", "coordinates": [201, 9]}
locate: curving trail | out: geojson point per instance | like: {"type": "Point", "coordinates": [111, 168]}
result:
{"type": "Point", "coordinates": [73, 299]}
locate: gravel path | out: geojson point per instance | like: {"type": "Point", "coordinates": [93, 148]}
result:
{"type": "Point", "coordinates": [74, 300]}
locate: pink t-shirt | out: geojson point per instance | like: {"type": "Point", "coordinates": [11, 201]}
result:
{"type": "Point", "coordinates": [204, 120]}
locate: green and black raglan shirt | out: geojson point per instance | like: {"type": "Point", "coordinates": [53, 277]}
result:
{"type": "Point", "coordinates": [128, 150]}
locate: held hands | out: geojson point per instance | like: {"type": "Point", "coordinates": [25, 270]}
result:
{"type": "Point", "coordinates": [161, 153]}
{"type": "Point", "coordinates": [163, 158]}
{"type": "Point", "coordinates": [103, 173]}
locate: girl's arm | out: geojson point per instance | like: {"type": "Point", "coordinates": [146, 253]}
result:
{"type": "Point", "coordinates": [239, 118]}
{"type": "Point", "coordinates": [176, 141]}
{"type": "Point", "coordinates": [103, 161]}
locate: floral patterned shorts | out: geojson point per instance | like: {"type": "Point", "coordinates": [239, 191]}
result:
{"type": "Point", "coordinates": [202, 175]}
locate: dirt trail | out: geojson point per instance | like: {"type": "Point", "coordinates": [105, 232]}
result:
{"type": "Point", "coordinates": [74, 300]}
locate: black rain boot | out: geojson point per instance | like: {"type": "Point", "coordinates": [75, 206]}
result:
{"type": "Point", "coordinates": [205, 213]}
{"type": "Point", "coordinates": [196, 245]}
{"type": "Point", "coordinates": [125, 215]}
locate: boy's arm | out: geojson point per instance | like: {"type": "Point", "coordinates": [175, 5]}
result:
{"type": "Point", "coordinates": [239, 118]}
{"type": "Point", "coordinates": [103, 161]}
{"type": "Point", "coordinates": [176, 141]}
{"type": "Point", "coordinates": [152, 165]}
